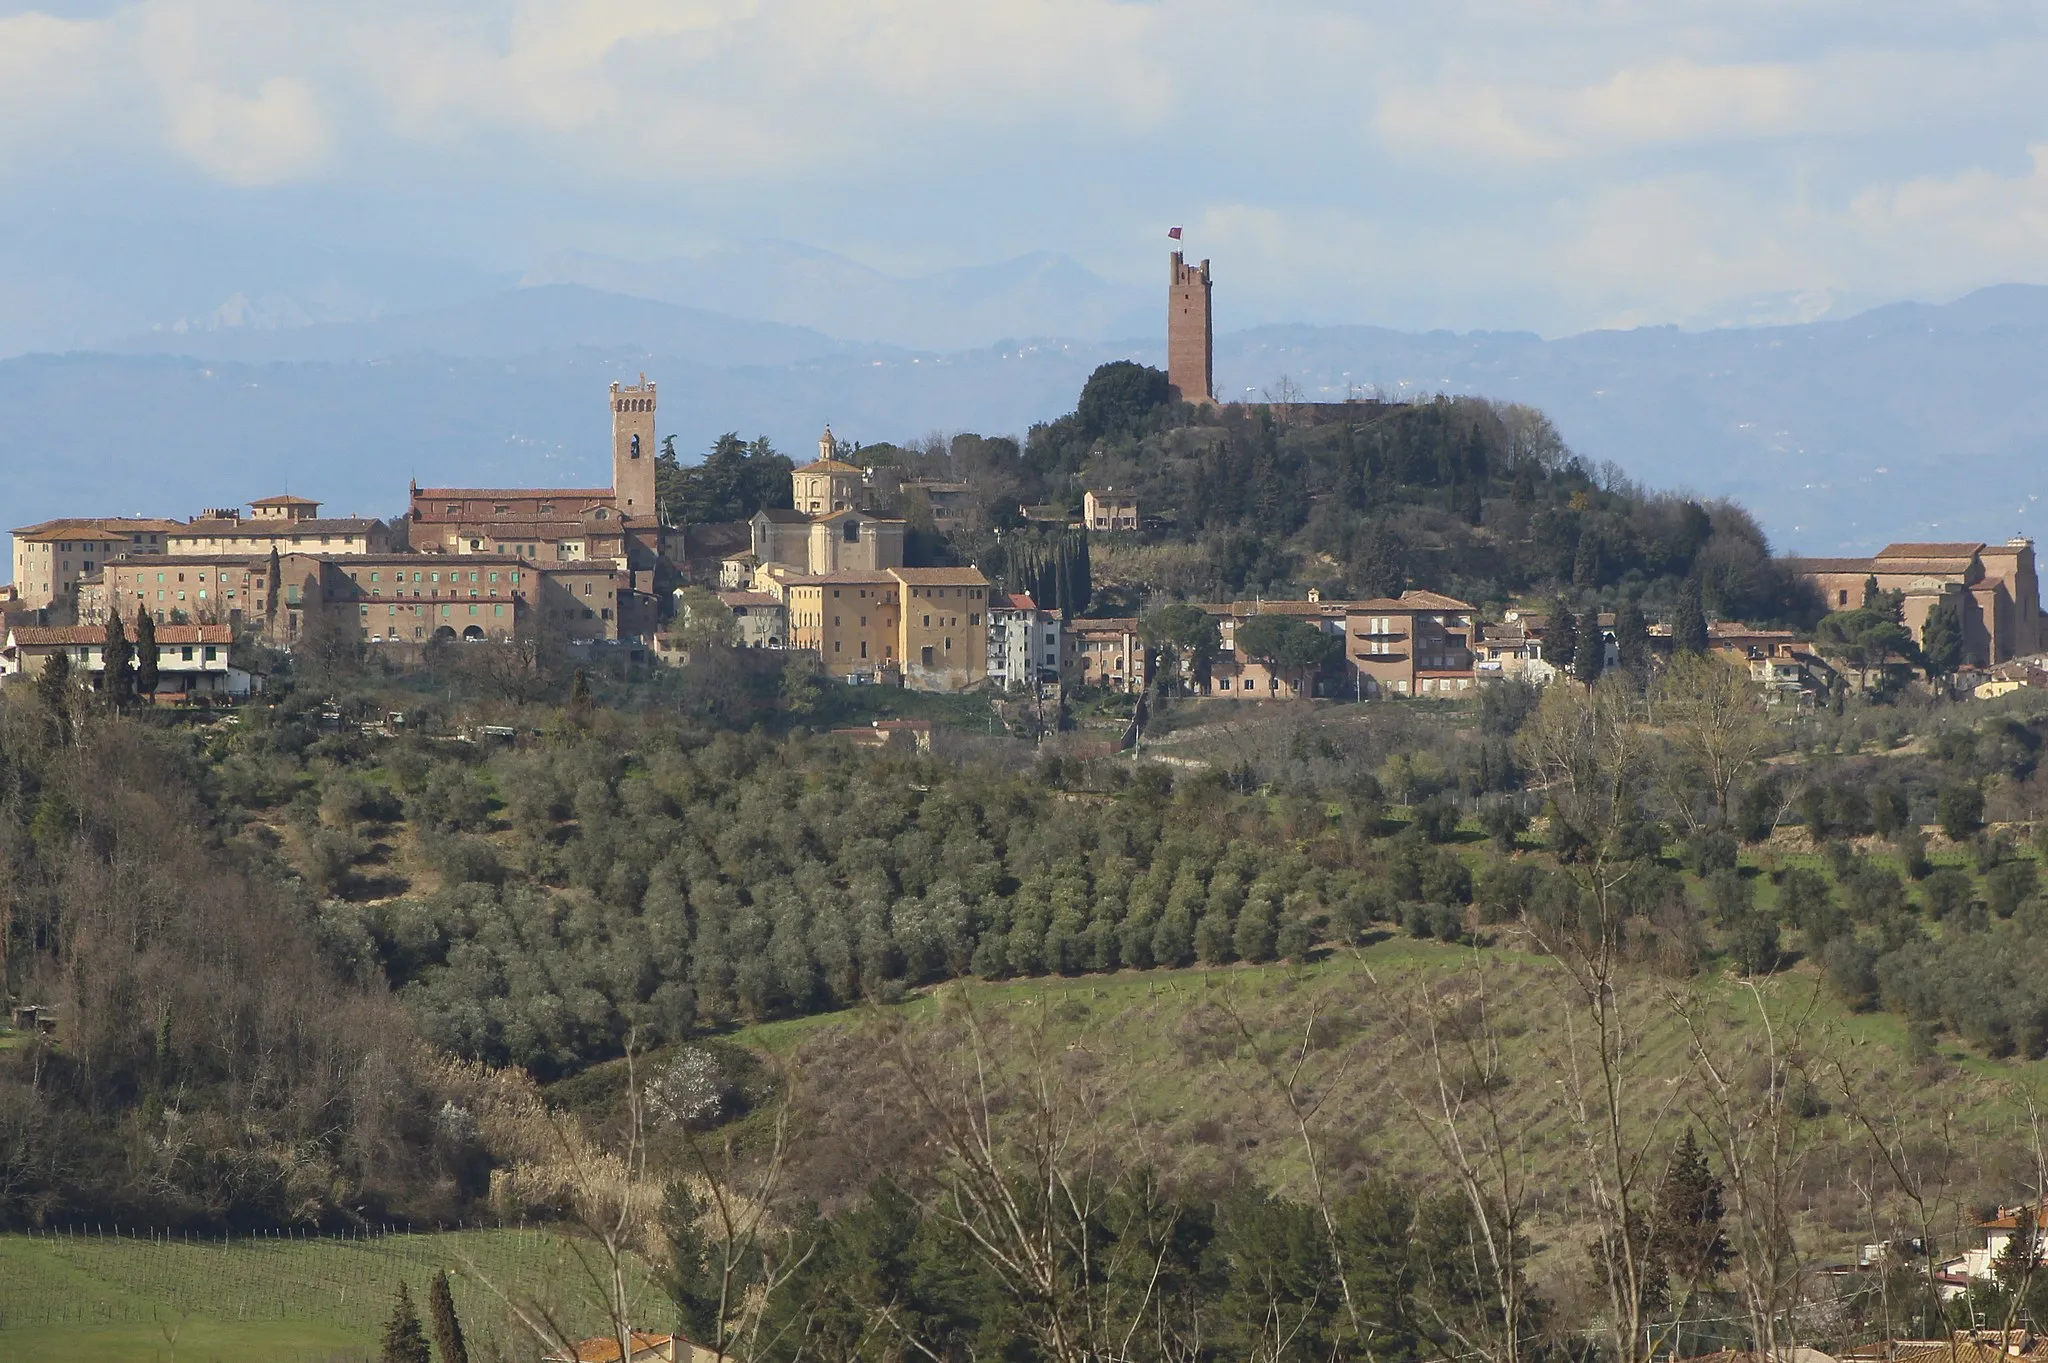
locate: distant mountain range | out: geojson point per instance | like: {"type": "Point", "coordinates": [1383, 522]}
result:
{"type": "Point", "coordinates": [1908, 421]}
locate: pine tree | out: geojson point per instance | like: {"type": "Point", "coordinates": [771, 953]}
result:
{"type": "Point", "coordinates": [448, 1341]}
{"type": "Point", "coordinates": [1689, 1236]}
{"type": "Point", "coordinates": [1589, 660]}
{"type": "Point", "coordinates": [1689, 620]}
{"type": "Point", "coordinates": [117, 663]}
{"type": "Point", "coordinates": [147, 657]}
{"type": "Point", "coordinates": [1561, 642]}
{"type": "Point", "coordinates": [404, 1341]}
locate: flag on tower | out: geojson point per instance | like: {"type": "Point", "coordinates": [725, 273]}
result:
{"type": "Point", "coordinates": [1173, 232]}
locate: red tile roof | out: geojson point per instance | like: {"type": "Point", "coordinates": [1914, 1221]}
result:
{"type": "Point", "coordinates": [939, 577]}
{"type": "Point", "coordinates": [1958, 549]}
{"type": "Point", "coordinates": [442, 494]}
{"type": "Point", "coordinates": [44, 636]}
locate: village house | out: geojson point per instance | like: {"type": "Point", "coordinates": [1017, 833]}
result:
{"type": "Point", "coordinates": [1237, 674]}
{"type": "Point", "coordinates": [1109, 511]}
{"type": "Point", "coordinates": [647, 1348]}
{"type": "Point", "coordinates": [1417, 644]}
{"type": "Point", "coordinates": [1106, 653]}
{"type": "Point", "coordinates": [1023, 642]}
{"type": "Point", "coordinates": [909, 735]}
{"type": "Point", "coordinates": [192, 660]}
{"type": "Point", "coordinates": [758, 619]}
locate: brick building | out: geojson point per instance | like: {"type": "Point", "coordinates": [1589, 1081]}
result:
{"type": "Point", "coordinates": [1995, 585]}
{"type": "Point", "coordinates": [616, 528]}
{"type": "Point", "coordinates": [1190, 334]}
{"type": "Point", "coordinates": [1419, 644]}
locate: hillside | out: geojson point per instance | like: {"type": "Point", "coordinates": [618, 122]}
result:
{"type": "Point", "coordinates": [1839, 435]}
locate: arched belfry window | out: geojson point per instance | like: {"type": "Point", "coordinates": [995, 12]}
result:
{"type": "Point", "coordinates": [636, 447]}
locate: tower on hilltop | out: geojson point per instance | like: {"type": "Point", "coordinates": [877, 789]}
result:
{"type": "Point", "coordinates": [1190, 337]}
{"type": "Point", "coordinates": [633, 449]}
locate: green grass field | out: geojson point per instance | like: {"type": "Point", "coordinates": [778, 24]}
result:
{"type": "Point", "coordinates": [263, 1300]}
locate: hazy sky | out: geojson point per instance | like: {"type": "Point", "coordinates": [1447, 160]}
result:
{"type": "Point", "coordinates": [1459, 163]}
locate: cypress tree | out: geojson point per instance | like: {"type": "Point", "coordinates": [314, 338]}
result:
{"type": "Point", "coordinates": [1689, 1216]}
{"type": "Point", "coordinates": [1632, 639]}
{"type": "Point", "coordinates": [53, 688]}
{"type": "Point", "coordinates": [1561, 642]}
{"type": "Point", "coordinates": [404, 1341]}
{"type": "Point", "coordinates": [146, 655]}
{"type": "Point", "coordinates": [1941, 640]}
{"type": "Point", "coordinates": [1589, 659]}
{"type": "Point", "coordinates": [1689, 620]}
{"type": "Point", "coordinates": [448, 1340]}
{"type": "Point", "coordinates": [118, 663]}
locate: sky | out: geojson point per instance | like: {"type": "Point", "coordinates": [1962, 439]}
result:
{"type": "Point", "coordinates": [1546, 165]}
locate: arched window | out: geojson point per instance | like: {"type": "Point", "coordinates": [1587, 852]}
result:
{"type": "Point", "coordinates": [636, 446]}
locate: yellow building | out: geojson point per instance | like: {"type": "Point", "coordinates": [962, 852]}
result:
{"type": "Point", "coordinates": [50, 558]}
{"type": "Point", "coordinates": [829, 484]}
{"type": "Point", "coordinates": [944, 639]}
{"type": "Point", "coordinates": [851, 620]}
{"type": "Point", "coordinates": [927, 625]}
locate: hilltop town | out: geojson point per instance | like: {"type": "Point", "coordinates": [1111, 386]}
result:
{"type": "Point", "coordinates": [1252, 786]}
{"type": "Point", "coordinates": [883, 573]}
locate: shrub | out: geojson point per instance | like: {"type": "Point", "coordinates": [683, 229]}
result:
{"type": "Point", "coordinates": [2011, 885]}
{"type": "Point", "coordinates": [1437, 817]}
{"type": "Point", "coordinates": [1960, 811]}
{"type": "Point", "coordinates": [1851, 968]}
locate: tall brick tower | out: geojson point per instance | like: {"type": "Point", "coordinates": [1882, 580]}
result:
{"type": "Point", "coordinates": [633, 449]}
{"type": "Point", "coordinates": [1190, 338]}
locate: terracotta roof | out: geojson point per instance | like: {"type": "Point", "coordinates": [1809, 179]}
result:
{"type": "Point", "coordinates": [67, 527]}
{"type": "Point", "coordinates": [1433, 601]}
{"type": "Point", "coordinates": [782, 515]}
{"type": "Point", "coordinates": [829, 466]}
{"type": "Point", "coordinates": [1930, 567]}
{"type": "Point", "coordinates": [1019, 601]}
{"type": "Point", "coordinates": [939, 577]}
{"type": "Point", "coordinates": [101, 536]}
{"type": "Point", "coordinates": [284, 499]}
{"type": "Point", "coordinates": [401, 557]}
{"type": "Point", "coordinates": [72, 635]}
{"type": "Point", "coordinates": [879, 578]}
{"type": "Point", "coordinates": [506, 494]}
{"type": "Point", "coordinates": [1958, 549]}
{"type": "Point", "coordinates": [1105, 626]}
{"type": "Point", "coordinates": [277, 529]}
{"type": "Point", "coordinates": [606, 1349]}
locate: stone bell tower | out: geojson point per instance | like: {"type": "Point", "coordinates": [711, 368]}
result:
{"type": "Point", "coordinates": [1190, 336]}
{"type": "Point", "coordinates": [633, 449]}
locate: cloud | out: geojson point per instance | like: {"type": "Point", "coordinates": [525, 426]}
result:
{"type": "Point", "coordinates": [274, 135]}
{"type": "Point", "coordinates": [1541, 163]}
{"type": "Point", "coordinates": [44, 80]}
